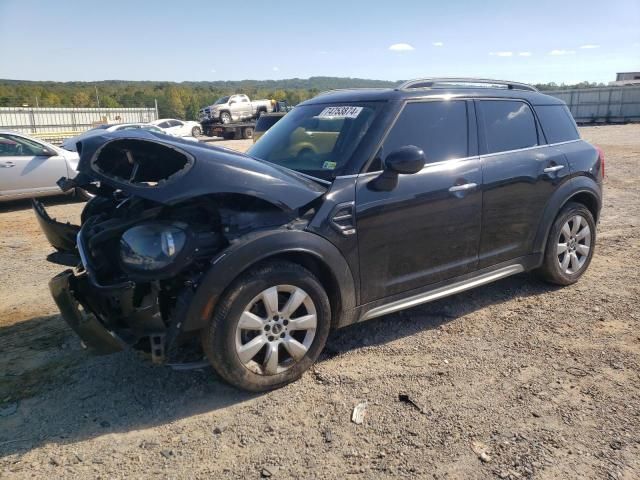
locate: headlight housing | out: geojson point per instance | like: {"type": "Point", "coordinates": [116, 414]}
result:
{"type": "Point", "coordinates": [154, 247]}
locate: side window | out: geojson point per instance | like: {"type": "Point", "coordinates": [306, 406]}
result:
{"type": "Point", "coordinates": [508, 125]}
{"type": "Point", "coordinates": [164, 125]}
{"type": "Point", "coordinates": [174, 123]}
{"type": "Point", "coordinates": [557, 123]}
{"type": "Point", "coordinates": [12, 146]}
{"type": "Point", "coordinates": [439, 128]}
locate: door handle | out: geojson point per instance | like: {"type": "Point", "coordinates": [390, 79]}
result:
{"type": "Point", "coordinates": [8, 164]}
{"type": "Point", "coordinates": [555, 168]}
{"type": "Point", "coordinates": [463, 188]}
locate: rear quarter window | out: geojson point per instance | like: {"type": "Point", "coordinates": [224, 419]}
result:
{"type": "Point", "coordinates": [557, 123]}
{"type": "Point", "coordinates": [508, 125]}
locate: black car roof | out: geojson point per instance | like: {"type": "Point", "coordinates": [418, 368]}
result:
{"type": "Point", "coordinates": [397, 94]}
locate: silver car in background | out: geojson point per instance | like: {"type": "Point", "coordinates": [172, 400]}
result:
{"type": "Point", "coordinates": [70, 143]}
{"type": "Point", "coordinates": [30, 167]}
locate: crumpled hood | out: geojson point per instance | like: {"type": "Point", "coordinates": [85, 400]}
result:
{"type": "Point", "coordinates": [202, 170]}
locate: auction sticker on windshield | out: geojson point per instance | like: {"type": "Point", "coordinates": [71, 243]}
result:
{"type": "Point", "coordinates": [340, 112]}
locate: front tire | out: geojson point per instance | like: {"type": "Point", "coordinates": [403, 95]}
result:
{"type": "Point", "coordinates": [570, 245]}
{"type": "Point", "coordinates": [225, 117]}
{"type": "Point", "coordinates": [196, 132]}
{"type": "Point", "coordinates": [269, 327]}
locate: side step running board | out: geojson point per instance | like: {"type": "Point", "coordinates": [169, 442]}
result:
{"type": "Point", "coordinates": [441, 292]}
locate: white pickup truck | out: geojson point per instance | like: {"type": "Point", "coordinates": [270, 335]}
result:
{"type": "Point", "coordinates": [234, 108]}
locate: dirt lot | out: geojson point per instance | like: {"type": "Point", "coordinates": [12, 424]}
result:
{"type": "Point", "coordinates": [513, 380]}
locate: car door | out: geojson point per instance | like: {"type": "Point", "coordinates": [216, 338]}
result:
{"type": "Point", "coordinates": [246, 110]}
{"type": "Point", "coordinates": [427, 228]}
{"type": "Point", "coordinates": [28, 167]}
{"type": "Point", "coordinates": [234, 107]}
{"type": "Point", "coordinates": [520, 173]}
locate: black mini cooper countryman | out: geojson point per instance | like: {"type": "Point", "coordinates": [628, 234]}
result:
{"type": "Point", "coordinates": [358, 203]}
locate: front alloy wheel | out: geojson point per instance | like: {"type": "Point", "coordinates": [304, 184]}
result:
{"type": "Point", "coordinates": [269, 327]}
{"type": "Point", "coordinates": [276, 329]}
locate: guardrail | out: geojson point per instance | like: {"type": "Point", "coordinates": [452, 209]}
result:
{"type": "Point", "coordinates": [37, 121]}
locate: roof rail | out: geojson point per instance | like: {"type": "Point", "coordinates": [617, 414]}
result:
{"type": "Point", "coordinates": [433, 82]}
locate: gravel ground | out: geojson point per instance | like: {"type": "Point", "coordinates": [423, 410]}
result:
{"type": "Point", "coordinates": [512, 380]}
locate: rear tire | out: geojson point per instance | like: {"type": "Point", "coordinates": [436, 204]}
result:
{"type": "Point", "coordinates": [570, 245]}
{"type": "Point", "coordinates": [257, 340]}
{"type": "Point", "coordinates": [247, 133]}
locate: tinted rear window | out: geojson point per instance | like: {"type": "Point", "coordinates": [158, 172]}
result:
{"type": "Point", "coordinates": [557, 123]}
{"type": "Point", "coordinates": [439, 128]}
{"type": "Point", "coordinates": [508, 125]}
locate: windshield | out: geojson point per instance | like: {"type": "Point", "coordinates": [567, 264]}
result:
{"type": "Point", "coordinates": [221, 100]}
{"type": "Point", "coordinates": [317, 140]}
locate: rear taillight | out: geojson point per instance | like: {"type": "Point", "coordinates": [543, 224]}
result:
{"type": "Point", "coordinates": [601, 158]}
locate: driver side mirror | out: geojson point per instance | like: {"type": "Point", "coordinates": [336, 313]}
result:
{"type": "Point", "coordinates": [405, 160]}
{"type": "Point", "coordinates": [232, 102]}
{"type": "Point", "coordinates": [47, 152]}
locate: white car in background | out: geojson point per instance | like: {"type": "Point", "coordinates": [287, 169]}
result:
{"type": "Point", "coordinates": [70, 143]}
{"type": "Point", "coordinates": [179, 128]}
{"type": "Point", "coordinates": [30, 167]}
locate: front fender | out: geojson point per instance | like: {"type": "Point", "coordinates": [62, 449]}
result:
{"type": "Point", "coordinates": [576, 185]}
{"type": "Point", "coordinates": [257, 246]}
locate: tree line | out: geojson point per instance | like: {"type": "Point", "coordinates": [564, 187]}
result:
{"type": "Point", "coordinates": [181, 100]}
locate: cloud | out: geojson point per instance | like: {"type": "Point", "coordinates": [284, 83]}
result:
{"type": "Point", "coordinates": [275, 69]}
{"type": "Point", "coordinates": [501, 54]}
{"type": "Point", "coordinates": [401, 47]}
{"type": "Point", "coordinates": [524, 54]}
{"type": "Point", "coordinates": [213, 70]}
{"type": "Point", "coordinates": [438, 44]}
{"type": "Point", "coordinates": [562, 52]}
{"type": "Point", "coordinates": [589, 46]}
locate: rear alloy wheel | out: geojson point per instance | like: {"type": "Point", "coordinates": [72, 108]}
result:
{"type": "Point", "coordinates": [225, 117]}
{"type": "Point", "coordinates": [196, 132]}
{"type": "Point", "coordinates": [570, 245]}
{"type": "Point", "coordinates": [269, 328]}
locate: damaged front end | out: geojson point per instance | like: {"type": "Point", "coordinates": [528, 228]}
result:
{"type": "Point", "coordinates": [163, 210]}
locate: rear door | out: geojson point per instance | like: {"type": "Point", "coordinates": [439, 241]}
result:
{"type": "Point", "coordinates": [427, 228]}
{"type": "Point", "coordinates": [28, 168]}
{"type": "Point", "coordinates": [520, 173]}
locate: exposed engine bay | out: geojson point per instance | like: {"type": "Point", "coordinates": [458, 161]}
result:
{"type": "Point", "coordinates": [162, 211]}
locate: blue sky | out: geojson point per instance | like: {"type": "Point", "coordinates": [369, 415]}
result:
{"type": "Point", "coordinates": [534, 41]}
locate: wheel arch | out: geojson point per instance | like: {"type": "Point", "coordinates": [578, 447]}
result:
{"type": "Point", "coordinates": [307, 249]}
{"type": "Point", "coordinates": [582, 190]}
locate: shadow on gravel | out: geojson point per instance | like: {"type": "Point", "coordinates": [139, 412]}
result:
{"type": "Point", "coordinates": [83, 396]}
{"type": "Point", "coordinates": [432, 315]}
{"type": "Point", "coordinates": [19, 205]}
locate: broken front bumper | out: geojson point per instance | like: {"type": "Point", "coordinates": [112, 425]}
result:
{"type": "Point", "coordinates": [93, 333]}
{"type": "Point", "coordinates": [62, 236]}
